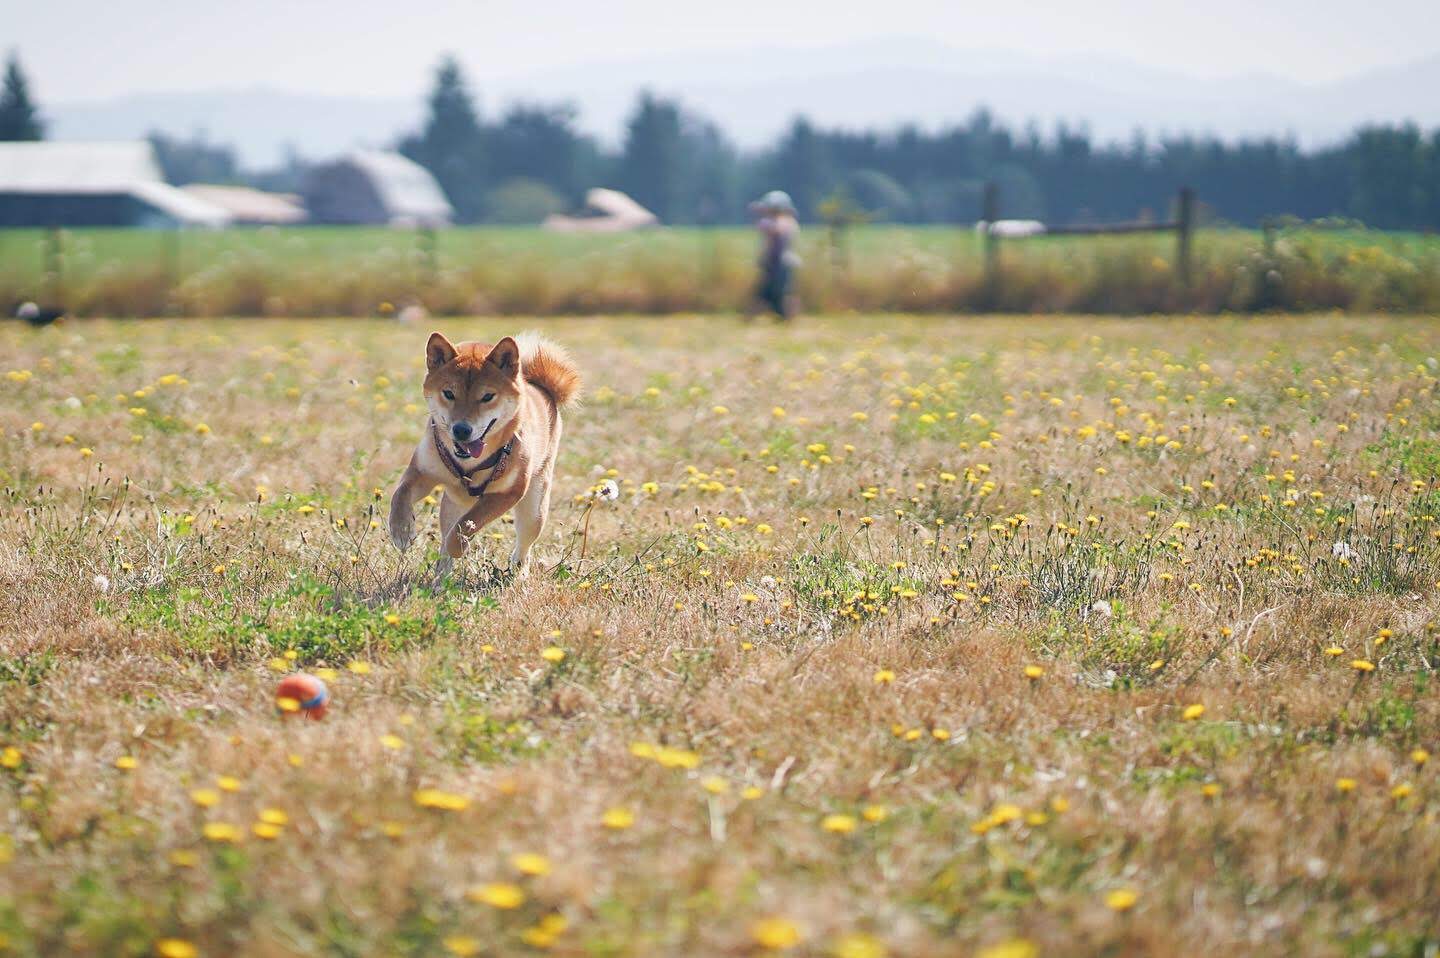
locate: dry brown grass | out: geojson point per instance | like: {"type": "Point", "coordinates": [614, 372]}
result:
{"type": "Point", "coordinates": [739, 617]}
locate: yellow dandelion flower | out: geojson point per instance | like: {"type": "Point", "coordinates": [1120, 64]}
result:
{"type": "Point", "coordinates": [462, 946]}
{"type": "Point", "coordinates": [221, 832]}
{"type": "Point", "coordinates": [274, 816]}
{"type": "Point", "coordinates": [445, 801]}
{"type": "Point", "coordinates": [776, 934]}
{"type": "Point", "coordinates": [715, 785]}
{"type": "Point", "coordinates": [358, 667]}
{"type": "Point", "coordinates": [502, 895]}
{"type": "Point", "coordinates": [392, 741]}
{"type": "Point", "coordinates": [530, 863]}
{"type": "Point", "coordinates": [1121, 899]}
{"type": "Point", "coordinates": [1345, 785]}
{"type": "Point", "coordinates": [857, 944]}
{"type": "Point", "coordinates": [176, 948]}
{"type": "Point", "coordinates": [752, 792]}
{"type": "Point", "coordinates": [205, 797]}
{"type": "Point", "coordinates": [553, 654]}
{"type": "Point", "coordinates": [617, 818]}
{"type": "Point", "coordinates": [839, 824]}
{"type": "Point", "coordinates": [1363, 665]}
{"type": "Point", "coordinates": [1014, 948]}
{"type": "Point", "coordinates": [228, 783]}
{"type": "Point", "coordinates": [266, 831]}
{"type": "Point", "coordinates": [127, 763]}
{"type": "Point", "coordinates": [1193, 712]}
{"type": "Point", "coordinates": [884, 677]}
{"type": "Point", "coordinates": [1033, 672]}
{"type": "Point", "coordinates": [677, 758]}
{"type": "Point", "coordinates": [1403, 790]}
{"type": "Point", "coordinates": [1419, 756]}
{"type": "Point", "coordinates": [874, 813]}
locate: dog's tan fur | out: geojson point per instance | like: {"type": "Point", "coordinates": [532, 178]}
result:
{"type": "Point", "coordinates": [521, 386]}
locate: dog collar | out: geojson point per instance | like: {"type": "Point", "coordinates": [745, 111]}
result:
{"type": "Point", "coordinates": [495, 463]}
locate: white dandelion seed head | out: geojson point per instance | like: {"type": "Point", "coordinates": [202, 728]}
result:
{"type": "Point", "coordinates": [102, 583]}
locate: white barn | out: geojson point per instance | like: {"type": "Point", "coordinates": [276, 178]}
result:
{"type": "Point", "coordinates": [56, 184]}
{"type": "Point", "coordinates": [378, 188]}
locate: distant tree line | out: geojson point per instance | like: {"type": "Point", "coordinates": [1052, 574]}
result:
{"type": "Point", "coordinates": [680, 165]}
{"type": "Point", "coordinates": [533, 159]}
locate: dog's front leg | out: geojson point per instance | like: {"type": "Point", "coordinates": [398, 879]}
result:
{"type": "Point", "coordinates": [486, 510]}
{"type": "Point", "coordinates": [402, 507]}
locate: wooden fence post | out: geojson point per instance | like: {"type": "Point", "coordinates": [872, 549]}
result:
{"type": "Point", "coordinates": [172, 257]}
{"type": "Point", "coordinates": [54, 284]}
{"type": "Point", "coordinates": [1184, 228]}
{"type": "Point", "coordinates": [990, 212]}
{"type": "Point", "coordinates": [429, 257]}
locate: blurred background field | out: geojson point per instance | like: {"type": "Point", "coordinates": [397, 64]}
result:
{"type": "Point", "coordinates": [310, 271]}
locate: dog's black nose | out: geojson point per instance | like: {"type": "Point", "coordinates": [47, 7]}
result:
{"type": "Point", "coordinates": [461, 430]}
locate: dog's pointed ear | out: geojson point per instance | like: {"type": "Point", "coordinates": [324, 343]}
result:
{"type": "Point", "coordinates": [505, 356]}
{"type": "Point", "coordinates": [438, 351]}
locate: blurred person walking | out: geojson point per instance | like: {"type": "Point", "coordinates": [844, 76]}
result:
{"type": "Point", "coordinates": [776, 221]}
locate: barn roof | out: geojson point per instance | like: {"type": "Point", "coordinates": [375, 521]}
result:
{"type": "Point", "coordinates": [406, 188]}
{"type": "Point", "coordinates": [77, 168]}
{"type": "Point", "coordinates": [60, 167]}
{"type": "Point", "coordinates": [250, 205]}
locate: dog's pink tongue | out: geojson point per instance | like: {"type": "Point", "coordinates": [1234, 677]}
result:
{"type": "Point", "coordinates": [473, 447]}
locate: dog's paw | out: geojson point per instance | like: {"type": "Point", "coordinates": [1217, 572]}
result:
{"type": "Point", "coordinates": [402, 530]}
{"type": "Point", "coordinates": [455, 544]}
{"type": "Point", "coordinates": [519, 565]}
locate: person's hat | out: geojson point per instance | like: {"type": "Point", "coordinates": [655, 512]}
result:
{"type": "Point", "coordinates": [776, 200]}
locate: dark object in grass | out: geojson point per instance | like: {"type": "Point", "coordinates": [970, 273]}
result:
{"type": "Point", "coordinates": [37, 315]}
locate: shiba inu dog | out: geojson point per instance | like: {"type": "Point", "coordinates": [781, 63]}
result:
{"type": "Point", "coordinates": [491, 441]}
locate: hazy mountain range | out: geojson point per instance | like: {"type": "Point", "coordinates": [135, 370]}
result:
{"type": "Point", "coordinates": [753, 94]}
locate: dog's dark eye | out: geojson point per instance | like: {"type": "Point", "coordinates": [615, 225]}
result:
{"type": "Point", "coordinates": [487, 397]}
{"type": "Point", "coordinates": [448, 395]}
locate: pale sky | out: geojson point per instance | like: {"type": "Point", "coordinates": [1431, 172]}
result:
{"type": "Point", "coordinates": [89, 50]}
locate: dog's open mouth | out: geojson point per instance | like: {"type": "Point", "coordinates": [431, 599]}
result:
{"type": "Point", "coordinates": [473, 448]}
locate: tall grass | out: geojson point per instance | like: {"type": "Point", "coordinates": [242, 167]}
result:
{"type": "Point", "coordinates": [327, 271]}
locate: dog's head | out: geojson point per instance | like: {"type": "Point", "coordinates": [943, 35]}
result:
{"type": "Point", "coordinates": [473, 390]}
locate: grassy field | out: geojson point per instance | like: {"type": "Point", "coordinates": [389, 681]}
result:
{"type": "Point", "coordinates": [360, 271]}
{"type": "Point", "coordinates": [906, 636]}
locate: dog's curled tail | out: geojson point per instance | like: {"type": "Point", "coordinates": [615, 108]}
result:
{"type": "Point", "coordinates": [547, 365]}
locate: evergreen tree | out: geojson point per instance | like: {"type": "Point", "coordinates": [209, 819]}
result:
{"type": "Point", "coordinates": [195, 160]}
{"type": "Point", "coordinates": [19, 118]}
{"type": "Point", "coordinates": [652, 161]}
{"type": "Point", "coordinates": [803, 167]}
{"type": "Point", "coordinates": [452, 144]}
{"type": "Point", "coordinates": [539, 142]}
